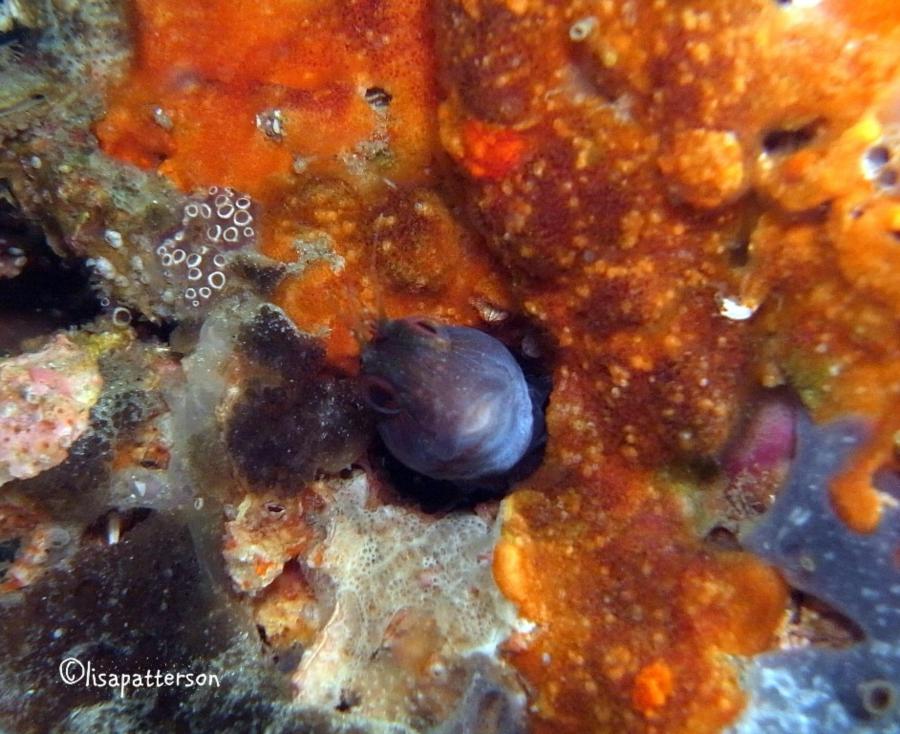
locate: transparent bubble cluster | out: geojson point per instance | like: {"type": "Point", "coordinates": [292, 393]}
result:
{"type": "Point", "coordinates": [193, 258]}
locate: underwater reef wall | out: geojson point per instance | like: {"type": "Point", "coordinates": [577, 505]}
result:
{"type": "Point", "coordinates": [682, 219]}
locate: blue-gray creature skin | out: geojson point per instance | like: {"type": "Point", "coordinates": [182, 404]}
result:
{"type": "Point", "coordinates": [452, 403]}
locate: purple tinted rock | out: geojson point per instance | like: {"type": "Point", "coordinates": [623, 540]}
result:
{"type": "Point", "coordinates": [856, 573]}
{"type": "Point", "coordinates": [817, 690]}
{"type": "Point", "coordinates": [767, 442]}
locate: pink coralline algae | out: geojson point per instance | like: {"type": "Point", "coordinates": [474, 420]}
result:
{"type": "Point", "coordinates": [45, 401]}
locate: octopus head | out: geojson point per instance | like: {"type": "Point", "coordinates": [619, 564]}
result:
{"type": "Point", "coordinates": [452, 402]}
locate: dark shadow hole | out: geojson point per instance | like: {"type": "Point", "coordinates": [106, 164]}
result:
{"type": "Point", "coordinates": [349, 699]}
{"type": "Point", "coordinates": [887, 178]}
{"type": "Point", "coordinates": [18, 35]}
{"type": "Point", "coordinates": [782, 141]}
{"type": "Point", "coordinates": [739, 248]}
{"type": "Point", "coordinates": [877, 696]}
{"type": "Point", "coordinates": [878, 155]}
{"type": "Point", "coordinates": [102, 528]}
{"type": "Point", "coordinates": [49, 293]}
{"type": "Point", "coordinates": [8, 550]}
{"type": "Point", "coordinates": [378, 97]}
{"type": "Point", "coordinates": [820, 624]}
{"type": "Point", "coordinates": [287, 660]}
{"type": "Point", "coordinates": [147, 330]}
{"type": "Point", "coordinates": [723, 539]}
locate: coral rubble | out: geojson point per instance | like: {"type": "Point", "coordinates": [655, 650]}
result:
{"type": "Point", "coordinates": [46, 396]}
{"type": "Point", "coordinates": [683, 216]}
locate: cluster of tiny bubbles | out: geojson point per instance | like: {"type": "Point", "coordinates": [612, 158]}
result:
{"type": "Point", "coordinates": [214, 222]}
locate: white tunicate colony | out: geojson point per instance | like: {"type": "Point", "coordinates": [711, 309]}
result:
{"type": "Point", "coordinates": [192, 257]}
{"type": "Point", "coordinates": [386, 561]}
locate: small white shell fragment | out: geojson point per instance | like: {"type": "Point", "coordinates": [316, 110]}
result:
{"type": "Point", "coordinates": [734, 310]}
{"type": "Point", "coordinates": [113, 238]}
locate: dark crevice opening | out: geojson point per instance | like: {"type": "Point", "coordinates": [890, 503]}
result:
{"type": "Point", "coordinates": [124, 520]}
{"type": "Point", "coordinates": [49, 292]}
{"type": "Point", "coordinates": [535, 351]}
{"type": "Point", "coordinates": [785, 140]}
{"type": "Point", "coordinates": [378, 98]}
{"type": "Point", "coordinates": [9, 549]}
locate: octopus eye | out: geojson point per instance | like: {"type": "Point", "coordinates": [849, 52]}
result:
{"type": "Point", "coordinates": [432, 328]}
{"type": "Point", "coordinates": [381, 395]}
{"type": "Point", "coordinates": [426, 325]}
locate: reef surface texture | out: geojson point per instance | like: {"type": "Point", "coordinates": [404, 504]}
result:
{"type": "Point", "coordinates": [682, 218]}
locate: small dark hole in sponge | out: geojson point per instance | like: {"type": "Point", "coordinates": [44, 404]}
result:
{"type": "Point", "coordinates": [723, 539]}
{"type": "Point", "coordinates": [878, 697]}
{"type": "Point", "coordinates": [128, 519]}
{"type": "Point", "coordinates": [8, 550]}
{"type": "Point", "coordinates": [878, 155]}
{"type": "Point", "coordinates": [887, 178]}
{"type": "Point", "coordinates": [18, 35]}
{"type": "Point", "coordinates": [789, 139]}
{"type": "Point", "coordinates": [50, 293]}
{"type": "Point", "coordinates": [349, 699]}
{"type": "Point", "coordinates": [378, 97]}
